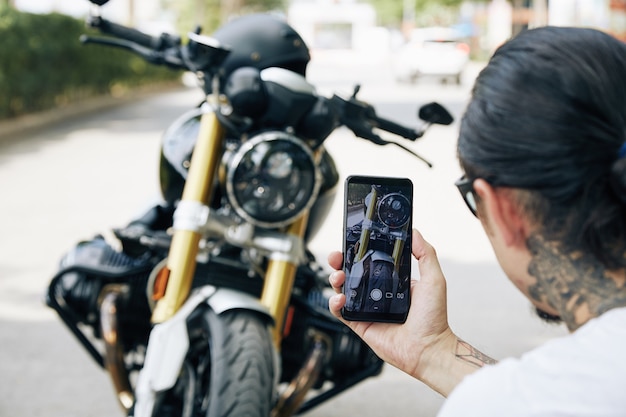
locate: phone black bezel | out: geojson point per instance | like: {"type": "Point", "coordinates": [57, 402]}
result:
{"type": "Point", "coordinates": [385, 317]}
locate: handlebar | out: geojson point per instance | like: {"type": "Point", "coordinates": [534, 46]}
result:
{"type": "Point", "coordinates": [205, 54]}
{"type": "Point", "coordinates": [132, 35]}
{"type": "Point", "coordinates": [200, 54]}
{"type": "Point", "coordinates": [396, 129]}
{"type": "Point", "coordinates": [361, 118]}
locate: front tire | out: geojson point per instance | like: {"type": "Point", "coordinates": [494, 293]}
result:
{"type": "Point", "coordinates": [228, 371]}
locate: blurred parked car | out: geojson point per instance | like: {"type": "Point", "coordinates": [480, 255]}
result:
{"type": "Point", "coordinates": [434, 52]}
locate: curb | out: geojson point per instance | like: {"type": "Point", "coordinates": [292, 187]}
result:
{"type": "Point", "coordinates": [27, 124]}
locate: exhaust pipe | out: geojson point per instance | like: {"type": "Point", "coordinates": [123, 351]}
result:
{"type": "Point", "coordinates": [114, 353]}
{"type": "Point", "coordinates": [294, 394]}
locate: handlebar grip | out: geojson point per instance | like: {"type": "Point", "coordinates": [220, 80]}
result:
{"type": "Point", "coordinates": [126, 33]}
{"type": "Point", "coordinates": [395, 128]}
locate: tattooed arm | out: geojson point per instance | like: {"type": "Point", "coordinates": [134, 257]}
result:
{"type": "Point", "coordinates": [447, 361]}
{"type": "Point", "coordinates": [424, 346]}
{"type": "Point", "coordinates": [468, 353]}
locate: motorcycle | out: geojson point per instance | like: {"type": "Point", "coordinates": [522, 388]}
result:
{"type": "Point", "coordinates": [210, 304]}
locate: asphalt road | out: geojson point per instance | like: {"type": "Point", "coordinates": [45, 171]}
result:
{"type": "Point", "coordinates": [82, 176]}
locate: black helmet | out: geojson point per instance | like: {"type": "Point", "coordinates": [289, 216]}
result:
{"type": "Point", "coordinates": [262, 41]}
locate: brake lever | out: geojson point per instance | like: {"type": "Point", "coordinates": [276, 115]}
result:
{"type": "Point", "coordinates": [156, 43]}
{"type": "Point", "coordinates": [105, 41]}
{"type": "Point", "coordinates": [166, 57]}
{"type": "Point", "coordinates": [118, 43]}
{"type": "Point", "coordinates": [376, 139]}
{"type": "Point", "coordinates": [355, 117]}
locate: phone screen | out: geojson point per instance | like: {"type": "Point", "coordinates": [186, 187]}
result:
{"type": "Point", "coordinates": [377, 248]}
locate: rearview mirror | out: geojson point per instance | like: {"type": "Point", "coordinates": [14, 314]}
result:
{"type": "Point", "coordinates": [99, 2]}
{"type": "Point", "coordinates": [435, 113]}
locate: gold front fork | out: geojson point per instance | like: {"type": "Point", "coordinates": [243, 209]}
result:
{"type": "Point", "coordinates": [398, 247]}
{"type": "Point", "coordinates": [279, 280]}
{"type": "Point", "coordinates": [181, 260]}
{"type": "Point", "coordinates": [365, 233]}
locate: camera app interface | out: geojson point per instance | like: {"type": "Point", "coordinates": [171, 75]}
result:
{"type": "Point", "coordinates": [378, 257]}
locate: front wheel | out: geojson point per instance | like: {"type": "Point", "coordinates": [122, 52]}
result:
{"type": "Point", "coordinates": [229, 369]}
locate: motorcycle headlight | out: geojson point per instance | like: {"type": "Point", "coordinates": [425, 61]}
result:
{"type": "Point", "coordinates": [271, 179]}
{"type": "Point", "coordinates": [394, 210]}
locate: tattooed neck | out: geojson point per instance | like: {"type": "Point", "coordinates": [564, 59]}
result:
{"type": "Point", "coordinates": [575, 283]}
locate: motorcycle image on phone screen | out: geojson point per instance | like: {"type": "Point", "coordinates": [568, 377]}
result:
{"type": "Point", "coordinates": [377, 255]}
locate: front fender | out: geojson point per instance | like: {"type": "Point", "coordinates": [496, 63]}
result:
{"type": "Point", "coordinates": [169, 342]}
{"type": "Point", "coordinates": [225, 299]}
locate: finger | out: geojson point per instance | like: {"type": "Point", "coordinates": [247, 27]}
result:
{"type": "Point", "coordinates": [335, 260]}
{"type": "Point", "coordinates": [336, 279]}
{"type": "Point", "coordinates": [420, 248]}
{"type": "Point", "coordinates": [423, 251]}
{"type": "Point", "coordinates": [428, 263]}
{"type": "Point", "coordinates": [335, 304]}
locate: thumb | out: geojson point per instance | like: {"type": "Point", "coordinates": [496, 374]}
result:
{"type": "Point", "coordinates": [425, 254]}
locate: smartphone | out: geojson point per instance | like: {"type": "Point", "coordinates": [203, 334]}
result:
{"type": "Point", "coordinates": [377, 227]}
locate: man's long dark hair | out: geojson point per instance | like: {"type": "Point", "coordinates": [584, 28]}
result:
{"type": "Point", "coordinates": [548, 115]}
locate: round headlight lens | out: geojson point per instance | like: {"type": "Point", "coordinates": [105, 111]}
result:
{"type": "Point", "coordinates": [394, 210]}
{"type": "Point", "coordinates": [271, 179]}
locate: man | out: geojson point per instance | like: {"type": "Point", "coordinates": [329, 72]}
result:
{"type": "Point", "coordinates": [543, 148]}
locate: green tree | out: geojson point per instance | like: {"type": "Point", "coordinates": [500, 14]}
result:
{"type": "Point", "coordinates": [43, 64]}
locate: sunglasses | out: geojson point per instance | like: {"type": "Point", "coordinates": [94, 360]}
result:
{"type": "Point", "coordinates": [466, 188]}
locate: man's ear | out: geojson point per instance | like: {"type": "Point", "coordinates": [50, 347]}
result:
{"type": "Point", "coordinates": [501, 213]}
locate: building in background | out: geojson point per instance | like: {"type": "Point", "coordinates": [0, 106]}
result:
{"type": "Point", "coordinates": [617, 18]}
{"type": "Point", "coordinates": [494, 22]}
{"type": "Point", "coordinates": [607, 15]}
{"type": "Point", "coordinates": [334, 24]}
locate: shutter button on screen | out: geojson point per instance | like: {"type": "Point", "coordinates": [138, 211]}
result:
{"type": "Point", "coordinates": [376, 294]}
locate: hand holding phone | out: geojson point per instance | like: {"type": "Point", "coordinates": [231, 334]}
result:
{"type": "Point", "coordinates": [377, 248]}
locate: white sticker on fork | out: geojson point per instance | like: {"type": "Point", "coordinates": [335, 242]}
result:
{"type": "Point", "coordinates": [190, 216]}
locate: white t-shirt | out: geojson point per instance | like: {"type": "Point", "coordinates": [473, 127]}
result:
{"type": "Point", "coordinates": [582, 374]}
